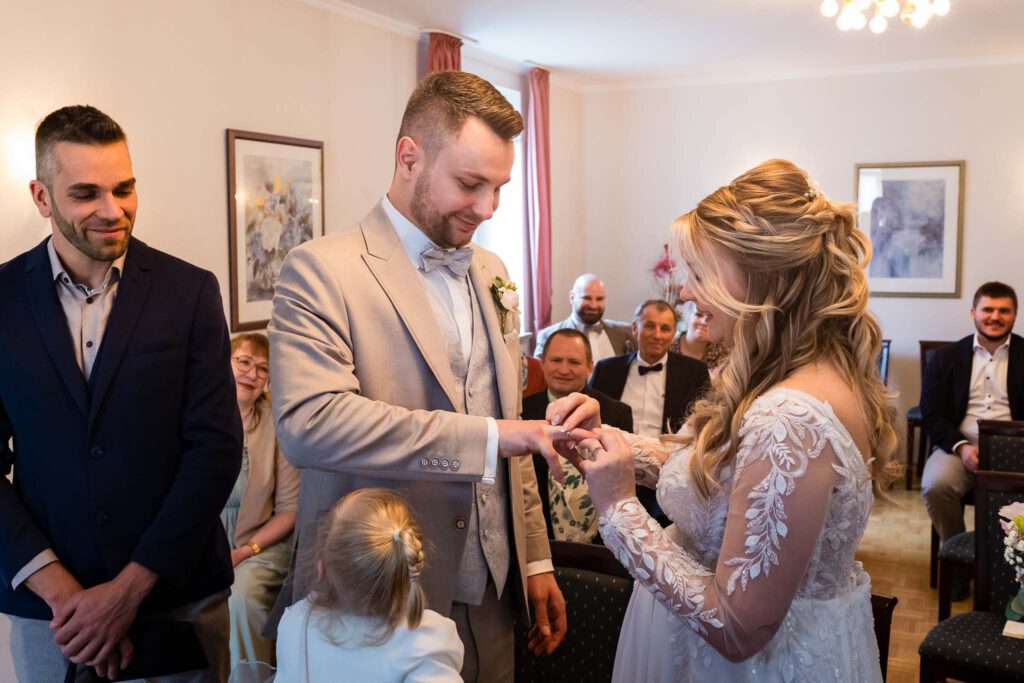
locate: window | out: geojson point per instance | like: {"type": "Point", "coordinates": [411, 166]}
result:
{"type": "Point", "coordinates": [505, 233]}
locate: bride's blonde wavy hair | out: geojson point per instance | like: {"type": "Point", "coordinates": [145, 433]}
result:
{"type": "Point", "coordinates": [807, 300]}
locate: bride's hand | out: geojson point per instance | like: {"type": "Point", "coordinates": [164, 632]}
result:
{"type": "Point", "coordinates": [608, 468]}
{"type": "Point", "coordinates": [575, 411]}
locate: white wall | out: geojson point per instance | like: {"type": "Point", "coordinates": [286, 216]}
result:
{"type": "Point", "coordinates": [175, 75]}
{"type": "Point", "coordinates": [652, 154]}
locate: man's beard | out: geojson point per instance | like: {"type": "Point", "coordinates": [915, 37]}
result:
{"type": "Point", "coordinates": [991, 338]}
{"type": "Point", "coordinates": [589, 318]}
{"type": "Point", "coordinates": [433, 224]}
{"type": "Point", "coordinates": [112, 250]}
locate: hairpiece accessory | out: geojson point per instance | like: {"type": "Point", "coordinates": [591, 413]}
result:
{"type": "Point", "coordinates": [414, 575]}
{"type": "Point", "coordinates": [812, 190]}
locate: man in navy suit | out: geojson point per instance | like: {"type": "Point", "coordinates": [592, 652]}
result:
{"type": "Point", "coordinates": [980, 377]}
{"type": "Point", "coordinates": [116, 387]}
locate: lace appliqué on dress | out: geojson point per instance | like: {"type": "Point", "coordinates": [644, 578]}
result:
{"type": "Point", "coordinates": [788, 438]}
{"type": "Point", "coordinates": [672, 576]}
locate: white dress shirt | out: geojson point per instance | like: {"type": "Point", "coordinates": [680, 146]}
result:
{"type": "Point", "coordinates": [988, 398]}
{"type": "Point", "coordinates": [600, 344]}
{"type": "Point", "coordinates": [646, 396]}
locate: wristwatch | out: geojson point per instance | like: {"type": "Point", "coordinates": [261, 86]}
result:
{"type": "Point", "coordinates": [255, 547]}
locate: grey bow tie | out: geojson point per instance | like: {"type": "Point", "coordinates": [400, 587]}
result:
{"type": "Point", "coordinates": [456, 261]}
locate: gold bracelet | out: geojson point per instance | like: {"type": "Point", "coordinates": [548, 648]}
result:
{"type": "Point", "coordinates": [255, 547]}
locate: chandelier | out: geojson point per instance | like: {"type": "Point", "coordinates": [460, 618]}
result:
{"type": "Point", "coordinates": [852, 13]}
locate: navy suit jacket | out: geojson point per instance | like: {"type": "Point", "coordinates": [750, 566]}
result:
{"type": "Point", "coordinates": [946, 389]}
{"type": "Point", "coordinates": [135, 464]}
{"type": "Point", "coordinates": [686, 379]}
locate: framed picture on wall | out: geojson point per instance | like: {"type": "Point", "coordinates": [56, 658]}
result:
{"type": "Point", "coordinates": [914, 215]}
{"type": "Point", "coordinates": [275, 203]}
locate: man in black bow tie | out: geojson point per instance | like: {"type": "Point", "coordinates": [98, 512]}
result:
{"type": "Point", "coordinates": [658, 385]}
{"type": "Point", "coordinates": [606, 337]}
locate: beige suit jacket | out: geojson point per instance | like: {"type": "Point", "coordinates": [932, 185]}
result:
{"type": "Point", "coordinates": [364, 396]}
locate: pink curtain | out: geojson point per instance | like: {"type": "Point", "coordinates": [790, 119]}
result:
{"type": "Point", "coordinates": [538, 199]}
{"type": "Point", "coordinates": [444, 53]}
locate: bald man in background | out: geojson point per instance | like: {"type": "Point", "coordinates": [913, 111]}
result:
{"type": "Point", "coordinates": [607, 337]}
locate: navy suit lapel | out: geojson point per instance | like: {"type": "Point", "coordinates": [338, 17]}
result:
{"type": "Point", "coordinates": [131, 295]}
{"type": "Point", "coordinates": [622, 374]}
{"type": "Point", "coordinates": [1015, 377]}
{"type": "Point", "coordinates": [53, 325]}
{"type": "Point", "coordinates": [962, 375]}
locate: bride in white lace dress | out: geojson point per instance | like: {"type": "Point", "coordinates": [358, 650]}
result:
{"type": "Point", "coordinates": [770, 483]}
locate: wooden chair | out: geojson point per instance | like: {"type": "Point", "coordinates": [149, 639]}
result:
{"type": "Point", "coordinates": [970, 647]}
{"type": "Point", "coordinates": [533, 377]}
{"type": "Point", "coordinates": [915, 421]}
{"type": "Point", "coordinates": [882, 607]}
{"type": "Point", "coordinates": [1000, 448]}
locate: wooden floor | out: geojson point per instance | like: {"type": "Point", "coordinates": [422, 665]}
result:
{"type": "Point", "coordinates": [895, 553]}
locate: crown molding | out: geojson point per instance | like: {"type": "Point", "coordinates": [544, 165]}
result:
{"type": "Point", "coordinates": [365, 16]}
{"type": "Point", "coordinates": [802, 74]}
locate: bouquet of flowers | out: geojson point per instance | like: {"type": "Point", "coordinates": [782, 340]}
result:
{"type": "Point", "coordinates": [1013, 526]}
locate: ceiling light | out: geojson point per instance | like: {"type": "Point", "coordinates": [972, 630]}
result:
{"type": "Point", "coordinates": [851, 13]}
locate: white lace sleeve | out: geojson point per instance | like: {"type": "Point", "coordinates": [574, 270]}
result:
{"type": "Point", "coordinates": [786, 460]}
{"type": "Point", "coordinates": [648, 455]}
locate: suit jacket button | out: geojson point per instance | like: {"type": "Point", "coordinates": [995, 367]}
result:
{"type": "Point", "coordinates": [102, 518]}
{"type": "Point", "coordinates": [460, 523]}
{"type": "Point", "coordinates": [95, 452]}
{"type": "Point", "coordinates": [445, 463]}
{"type": "Point", "coordinates": [456, 464]}
{"type": "Point", "coordinates": [424, 462]}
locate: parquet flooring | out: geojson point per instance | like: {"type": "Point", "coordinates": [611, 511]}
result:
{"type": "Point", "coordinates": [894, 551]}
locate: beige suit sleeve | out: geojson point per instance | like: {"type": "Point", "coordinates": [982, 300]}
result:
{"type": "Point", "coordinates": [323, 420]}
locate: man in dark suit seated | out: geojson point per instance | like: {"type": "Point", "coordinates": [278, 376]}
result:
{"type": "Point", "coordinates": [567, 363]}
{"type": "Point", "coordinates": [116, 384]}
{"type": "Point", "coordinates": [980, 377]}
{"type": "Point", "coordinates": [658, 385]}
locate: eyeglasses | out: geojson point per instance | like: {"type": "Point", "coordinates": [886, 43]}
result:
{"type": "Point", "coordinates": [246, 363]}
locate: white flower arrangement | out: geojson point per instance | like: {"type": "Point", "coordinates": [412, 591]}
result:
{"type": "Point", "coordinates": [506, 299]}
{"type": "Point", "coordinates": [1013, 526]}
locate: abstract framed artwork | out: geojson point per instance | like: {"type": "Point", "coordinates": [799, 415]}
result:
{"type": "Point", "coordinates": [914, 215]}
{"type": "Point", "coordinates": [275, 203]}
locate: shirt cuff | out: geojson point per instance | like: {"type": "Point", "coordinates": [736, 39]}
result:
{"type": "Point", "coordinates": [491, 455]}
{"type": "Point", "coordinates": [35, 564]}
{"type": "Point", "coordinates": [957, 445]}
{"type": "Point", "coordinates": [539, 567]}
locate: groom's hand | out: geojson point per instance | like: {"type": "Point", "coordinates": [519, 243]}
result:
{"type": "Point", "coordinates": [524, 437]}
{"type": "Point", "coordinates": [548, 605]}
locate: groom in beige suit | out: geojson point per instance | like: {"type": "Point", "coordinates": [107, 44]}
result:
{"type": "Point", "coordinates": [394, 368]}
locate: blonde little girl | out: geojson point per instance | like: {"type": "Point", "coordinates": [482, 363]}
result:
{"type": "Point", "coordinates": [366, 619]}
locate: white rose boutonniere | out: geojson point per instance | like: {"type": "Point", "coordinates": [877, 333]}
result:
{"type": "Point", "coordinates": [506, 300]}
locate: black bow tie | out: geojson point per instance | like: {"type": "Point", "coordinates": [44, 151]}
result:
{"type": "Point", "coordinates": [644, 369]}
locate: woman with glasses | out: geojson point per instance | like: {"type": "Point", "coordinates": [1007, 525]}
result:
{"type": "Point", "coordinates": [260, 514]}
{"type": "Point", "coordinates": [695, 343]}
